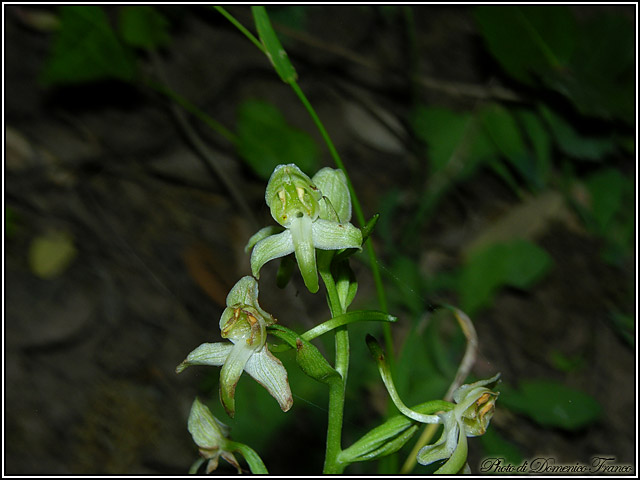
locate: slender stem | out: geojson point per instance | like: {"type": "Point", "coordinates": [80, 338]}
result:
{"type": "Point", "coordinates": [336, 389]}
{"type": "Point", "coordinates": [240, 27]}
{"type": "Point", "coordinates": [253, 459]}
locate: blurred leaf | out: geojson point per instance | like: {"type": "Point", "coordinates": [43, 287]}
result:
{"type": "Point", "coordinates": [606, 189]}
{"type": "Point", "coordinates": [274, 50]}
{"type": "Point", "coordinates": [566, 364]}
{"type": "Point", "coordinates": [143, 26]}
{"type": "Point", "coordinates": [417, 375]}
{"type": "Point", "coordinates": [501, 127]}
{"type": "Point", "coordinates": [518, 263]}
{"type": "Point", "coordinates": [10, 223]}
{"type": "Point", "coordinates": [265, 140]}
{"type": "Point", "coordinates": [451, 138]}
{"type": "Point", "coordinates": [551, 404]}
{"type": "Point", "coordinates": [292, 16]}
{"type": "Point", "coordinates": [408, 282]}
{"type": "Point", "coordinates": [625, 325]}
{"type": "Point", "coordinates": [529, 41]}
{"type": "Point", "coordinates": [86, 48]}
{"type": "Point", "coordinates": [50, 254]}
{"type": "Point", "coordinates": [574, 144]}
{"type": "Point", "coordinates": [602, 78]}
{"type": "Point", "coordinates": [495, 445]}
{"type": "Point", "coordinates": [540, 141]}
{"type": "Point", "coordinates": [592, 64]}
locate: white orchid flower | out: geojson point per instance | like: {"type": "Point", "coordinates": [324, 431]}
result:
{"type": "Point", "coordinates": [298, 205]}
{"type": "Point", "coordinates": [244, 323]}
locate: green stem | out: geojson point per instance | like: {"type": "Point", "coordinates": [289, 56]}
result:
{"type": "Point", "coordinates": [253, 459]}
{"type": "Point", "coordinates": [240, 27]}
{"type": "Point", "coordinates": [336, 389]}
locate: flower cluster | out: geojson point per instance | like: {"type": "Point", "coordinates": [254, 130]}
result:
{"type": "Point", "coordinates": [312, 213]}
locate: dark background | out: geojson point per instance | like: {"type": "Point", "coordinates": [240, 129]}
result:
{"type": "Point", "coordinates": [90, 354]}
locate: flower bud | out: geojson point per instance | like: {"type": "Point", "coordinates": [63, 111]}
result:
{"type": "Point", "coordinates": [210, 435]}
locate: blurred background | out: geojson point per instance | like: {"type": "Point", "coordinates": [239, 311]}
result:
{"type": "Point", "coordinates": [497, 144]}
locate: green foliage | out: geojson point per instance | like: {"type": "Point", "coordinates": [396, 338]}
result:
{"type": "Point", "coordinates": [552, 404]}
{"type": "Point", "coordinates": [266, 140]}
{"type": "Point", "coordinates": [591, 63]}
{"type": "Point", "coordinates": [425, 364]}
{"type": "Point", "coordinates": [143, 26]}
{"type": "Point", "coordinates": [532, 43]}
{"type": "Point", "coordinates": [572, 143]}
{"type": "Point", "coordinates": [86, 49]}
{"type": "Point", "coordinates": [453, 139]}
{"type": "Point", "coordinates": [518, 263]}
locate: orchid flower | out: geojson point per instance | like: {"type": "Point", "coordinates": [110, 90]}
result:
{"type": "Point", "coordinates": [470, 417]}
{"type": "Point", "coordinates": [311, 221]}
{"type": "Point", "coordinates": [244, 323]}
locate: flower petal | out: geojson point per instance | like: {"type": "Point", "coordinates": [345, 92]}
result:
{"type": "Point", "coordinates": [335, 236]}
{"type": "Point", "coordinates": [333, 185]}
{"type": "Point", "coordinates": [270, 248]}
{"type": "Point", "coordinates": [269, 372]}
{"type": "Point", "coordinates": [445, 446]}
{"type": "Point", "coordinates": [244, 292]}
{"type": "Point", "coordinates": [230, 374]}
{"type": "Point", "coordinates": [303, 242]}
{"type": "Point", "coordinates": [212, 354]}
{"type": "Point", "coordinates": [458, 459]}
{"type": "Point", "coordinates": [261, 235]}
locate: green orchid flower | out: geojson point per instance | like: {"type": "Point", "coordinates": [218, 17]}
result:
{"type": "Point", "coordinates": [244, 323]}
{"type": "Point", "coordinates": [310, 221]}
{"type": "Point", "coordinates": [470, 417]}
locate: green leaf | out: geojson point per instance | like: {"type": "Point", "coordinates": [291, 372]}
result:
{"type": "Point", "coordinates": [501, 126]}
{"type": "Point", "coordinates": [530, 42]}
{"type": "Point", "coordinates": [540, 141]}
{"type": "Point", "coordinates": [390, 436]}
{"type": "Point", "coordinates": [606, 188]}
{"type": "Point", "coordinates": [602, 78]}
{"type": "Point", "coordinates": [552, 404]}
{"type": "Point", "coordinates": [574, 144]}
{"type": "Point", "coordinates": [518, 263]}
{"type": "Point", "coordinates": [50, 254]}
{"type": "Point", "coordinates": [272, 45]}
{"type": "Point", "coordinates": [419, 373]}
{"type": "Point", "coordinates": [451, 138]}
{"type": "Point", "coordinates": [86, 49]}
{"type": "Point", "coordinates": [143, 26]}
{"type": "Point", "coordinates": [265, 140]}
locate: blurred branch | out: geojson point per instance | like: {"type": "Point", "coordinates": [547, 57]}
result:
{"type": "Point", "coordinates": [457, 89]}
{"type": "Point", "coordinates": [204, 152]}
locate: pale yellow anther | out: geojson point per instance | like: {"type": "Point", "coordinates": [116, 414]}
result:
{"type": "Point", "coordinates": [300, 191]}
{"type": "Point", "coordinates": [282, 198]}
